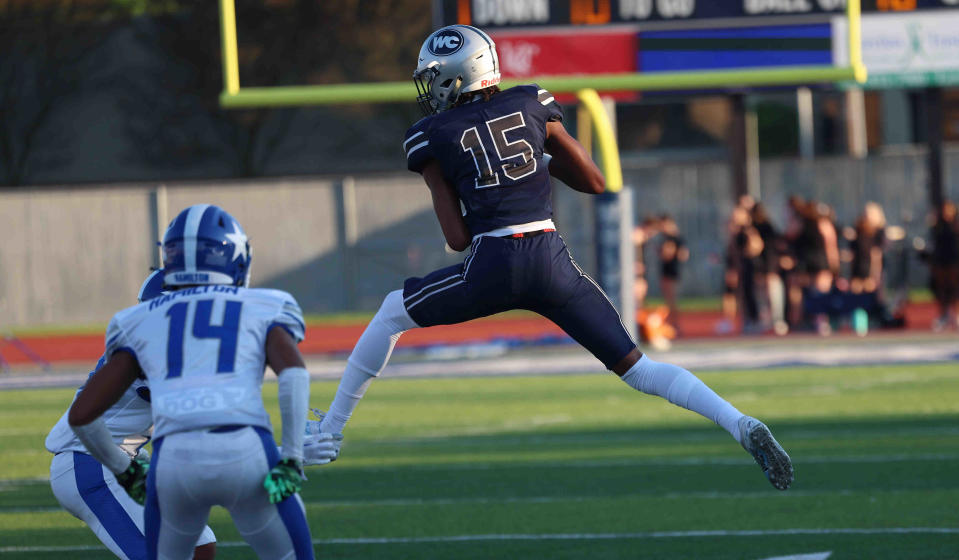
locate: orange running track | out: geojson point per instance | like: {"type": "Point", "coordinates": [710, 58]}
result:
{"type": "Point", "coordinates": [339, 339]}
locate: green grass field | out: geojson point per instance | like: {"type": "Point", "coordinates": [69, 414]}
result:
{"type": "Point", "coordinates": [584, 467]}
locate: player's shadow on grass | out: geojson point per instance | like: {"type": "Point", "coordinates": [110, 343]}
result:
{"type": "Point", "coordinates": [889, 453]}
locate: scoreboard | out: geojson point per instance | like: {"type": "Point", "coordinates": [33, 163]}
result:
{"type": "Point", "coordinates": [906, 43]}
{"type": "Point", "coordinates": [503, 14]}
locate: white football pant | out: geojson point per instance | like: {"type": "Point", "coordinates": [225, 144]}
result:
{"type": "Point", "coordinates": [192, 471]}
{"type": "Point", "coordinates": [90, 492]}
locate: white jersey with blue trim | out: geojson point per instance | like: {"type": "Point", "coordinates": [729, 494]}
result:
{"type": "Point", "coordinates": [130, 422]}
{"type": "Point", "coordinates": [203, 351]}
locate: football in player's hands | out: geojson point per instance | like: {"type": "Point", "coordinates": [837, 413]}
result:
{"type": "Point", "coordinates": [134, 480]}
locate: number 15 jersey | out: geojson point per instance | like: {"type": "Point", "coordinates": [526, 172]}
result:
{"type": "Point", "coordinates": [203, 351]}
{"type": "Point", "coordinates": [492, 152]}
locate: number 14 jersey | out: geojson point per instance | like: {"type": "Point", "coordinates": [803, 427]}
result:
{"type": "Point", "coordinates": [203, 352]}
{"type": "Point", "coordinates": [492, 152]}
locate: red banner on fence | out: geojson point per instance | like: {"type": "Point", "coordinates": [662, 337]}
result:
{"type": "Point", "coordinates": [565, 52]}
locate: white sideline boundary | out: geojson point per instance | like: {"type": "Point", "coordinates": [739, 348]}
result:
{"type": "Point", "coordinates": [555, 536]}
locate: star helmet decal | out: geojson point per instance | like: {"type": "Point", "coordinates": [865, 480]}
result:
{"type": "Point", "coordinates": [239, 239]}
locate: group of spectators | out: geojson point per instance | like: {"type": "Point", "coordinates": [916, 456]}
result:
{"type": "Point", "coordinates": [808, 273]}
{"type": "Point", "coordinates": [811, 275]}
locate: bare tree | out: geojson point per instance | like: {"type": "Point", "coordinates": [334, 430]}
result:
{"type": "Point", "coordinates": [49, 54]}
{"type": "Point", "coordinates": [172, 109]}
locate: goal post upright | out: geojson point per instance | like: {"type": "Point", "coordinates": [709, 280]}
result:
{"type": "Point", "coordinates": [228, 42]}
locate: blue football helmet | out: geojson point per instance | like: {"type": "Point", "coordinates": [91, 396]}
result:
{"type": "Point", "coordinates": [152, 286]}
{"type": "Point", "coordinates": [205, 245]}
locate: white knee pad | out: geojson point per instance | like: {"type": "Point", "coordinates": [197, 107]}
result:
{"type": "Point", "coordinates": [393, 312]}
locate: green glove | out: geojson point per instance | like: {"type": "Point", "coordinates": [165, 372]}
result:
{"type": "Point", "coordinates": [283, 480]}
{"type": "Point", "coordinates": [134, 480]}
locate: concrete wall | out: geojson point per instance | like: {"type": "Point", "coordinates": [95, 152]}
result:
{"type": "Point", "coordinates": [67, 255]}
{"type": "Point", "coordinates": [76, 255]}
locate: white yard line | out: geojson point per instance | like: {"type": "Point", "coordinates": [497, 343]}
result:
{"type": "Point", "coordinates": [555, 536]}
{"type": "Point", "coordinates": [658, 462]}
{"type": "Point", "coordinates": [431, 502]}
{"type": "Point", "coordinates": [7, 484]}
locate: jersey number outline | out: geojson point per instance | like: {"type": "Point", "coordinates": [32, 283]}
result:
{"type": "Point", "coordinates": [486, 176]}
{"type": "Point", "coordinates": [227, 332]}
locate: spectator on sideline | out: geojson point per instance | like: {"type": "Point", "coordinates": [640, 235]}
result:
{"type": "Point", "coordinates": [821, 259]}
{"type": "Point", "coordinates": [944, 265]}
{"type": "Point", "coordinates": [642, 234]}
{"type": "Point", "coordinates": [743, 245]}
{"type": "Point", "coordinates": [672, 252]}
{"type": "Point", "coordinates": [769, 273]}
{"type": "Point", "coordinates": [792, 263]}
{"type": "Point", "coordinates": [868, 244]}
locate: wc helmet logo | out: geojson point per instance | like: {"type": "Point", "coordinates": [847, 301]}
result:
{"type": "Point", "coordinates": [445, 42]}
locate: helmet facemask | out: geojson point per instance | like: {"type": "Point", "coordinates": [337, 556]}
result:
{"type": "Point", "coordinates": [424, 83]}
{"type": "Point", "coordinates": [435, 97]}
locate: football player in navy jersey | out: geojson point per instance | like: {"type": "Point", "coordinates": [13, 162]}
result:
{"type": "Point", "coordinates": [483, 155]}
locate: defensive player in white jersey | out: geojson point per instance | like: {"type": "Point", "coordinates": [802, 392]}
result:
{"type": "Point", "coordinates": [203, 349]}
{"type": "Point", "coordinates": [87, 490]}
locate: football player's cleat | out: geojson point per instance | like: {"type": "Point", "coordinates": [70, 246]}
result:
{"type": "Point", "coordinates": [454, 60]}
{"type": "Point", "coordinates": [134, 480]}
{"type": "Point", "coordinates": [283, 480]}
{"type": "Point", "coordinates": [771, 457]}
{"type": "Point", "coordinates": [204, 245]}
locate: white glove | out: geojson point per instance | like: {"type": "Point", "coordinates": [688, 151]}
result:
{"type": "Point", "coordinates": [143, 455]}
{"type": "Point", "coordinates": [320, 448]}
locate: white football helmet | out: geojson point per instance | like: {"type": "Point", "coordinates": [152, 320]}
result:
{"type": "Point", "coordinates": [454, 60]}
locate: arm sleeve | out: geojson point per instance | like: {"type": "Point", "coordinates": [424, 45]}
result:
{"type": "Point", "coordinates": [293, 396]}
{"type": "Point", "coordinates": [419, 152]}
{"type": "Point", "coordinates": [97, 439]}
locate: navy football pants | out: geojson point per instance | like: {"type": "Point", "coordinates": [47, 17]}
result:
{"type": "Point", "coordinates": [535, 273]}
